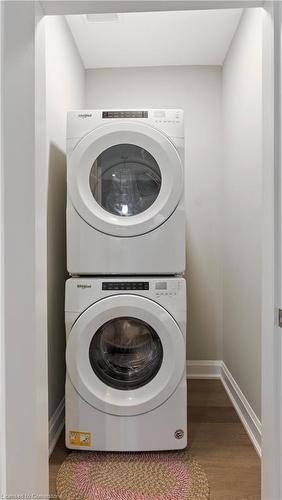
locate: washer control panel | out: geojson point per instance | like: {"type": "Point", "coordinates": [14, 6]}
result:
{"type": "Point", "coordinates": [167, 288]}
{"type": "Point", "coordinates": [125, 285]}
{"type": "Point", "coordinates": [81, 292]}
{"type": "Point", "coordinates": [158, 287]}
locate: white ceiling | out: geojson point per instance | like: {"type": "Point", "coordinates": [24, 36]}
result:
{"type": "Point", "coordinates": [156, 38]}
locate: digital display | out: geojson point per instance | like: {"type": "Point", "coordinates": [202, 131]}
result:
{"type": "Point", "coordinates": [125, 285]}
{"type": "Point", "coordinates": [161, 285]}
{"type": "Point", "coordinates": [159, 114]}
{"type": "Point", "coordinates": [125, 114]}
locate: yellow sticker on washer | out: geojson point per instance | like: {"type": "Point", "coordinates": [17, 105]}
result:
{"type": "Point", "coordinates": [80, 438]}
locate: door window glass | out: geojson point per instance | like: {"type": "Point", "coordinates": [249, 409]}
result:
{"type": "Point", "coordinates": [126, 353]}
{"type": "Point", "coordinates": [125, 180]}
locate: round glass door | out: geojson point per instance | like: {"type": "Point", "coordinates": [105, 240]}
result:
{"type": "Point", "coordinates": [126, 353]}
{"type": "Point", "coordinates": [125, 180]}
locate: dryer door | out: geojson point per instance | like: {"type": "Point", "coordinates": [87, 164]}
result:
{"type": "Point", "coordinates": [125, 179]}
{"type": "Point", "coordinates": [125, 355]}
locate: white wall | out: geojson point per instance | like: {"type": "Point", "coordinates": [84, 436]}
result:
{"type": "Point", "coordinates": [65, 90]}
{"type": "Point", "coordinates": [198, 91]}
{"type": "Point", "coordinates": [24, 342]}
{"type": "Point", "coordinates": [242, 236]}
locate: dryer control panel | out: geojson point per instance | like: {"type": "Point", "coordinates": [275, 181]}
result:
{"type": "Point", "coordinates": [82, 122]}
{"type": "Point", "coordinates": [125, 114]}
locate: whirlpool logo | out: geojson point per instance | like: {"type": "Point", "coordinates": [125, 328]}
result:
{"type": "Point", "coordinates": [80, 285]}
{"type": "Point", "coordinates": [85, 115]}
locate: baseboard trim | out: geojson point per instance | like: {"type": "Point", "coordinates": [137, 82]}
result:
{"type": "Point", "coordinates": [218, 370]}
{"type": "Point", "coordinates": [243, 408]}
{"type": "Point", "coordinates": [56, 424]}
{"type": "Point", "coordinates": [204, 369]}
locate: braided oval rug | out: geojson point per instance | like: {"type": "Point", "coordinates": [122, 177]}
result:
{"type": "Point", "coordinates": [132, 476]}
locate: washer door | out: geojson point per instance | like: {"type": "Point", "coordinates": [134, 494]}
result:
{"type": "Point", "coordinates": [125, 355]}
{"type": "Point", "coordinates": [125, 179]}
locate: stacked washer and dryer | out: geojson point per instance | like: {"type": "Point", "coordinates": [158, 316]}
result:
{"type": "Point", "coordinates": [125, 304]}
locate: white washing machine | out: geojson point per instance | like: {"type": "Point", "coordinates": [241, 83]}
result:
{"type": "Point", "coordinates": [125, 179]}
{"type": "Point", "coordinates": [125, 356]}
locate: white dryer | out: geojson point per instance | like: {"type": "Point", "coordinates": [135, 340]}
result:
{"type": "Point", "coordinates": [125, 179]}
{"type": "Point", "coordinates": [125, 356]}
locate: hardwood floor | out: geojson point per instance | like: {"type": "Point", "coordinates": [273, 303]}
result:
{"type": "Point", "coordinates": [216, 438]}
{"type": "Point", "coordinates": [220, 443]}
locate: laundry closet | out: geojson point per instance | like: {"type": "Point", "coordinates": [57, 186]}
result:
{"type": "Point", "coordinates": [207, 64]}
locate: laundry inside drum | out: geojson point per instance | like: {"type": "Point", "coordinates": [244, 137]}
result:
{"type": "Point", "coordinates": [126, 353]}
